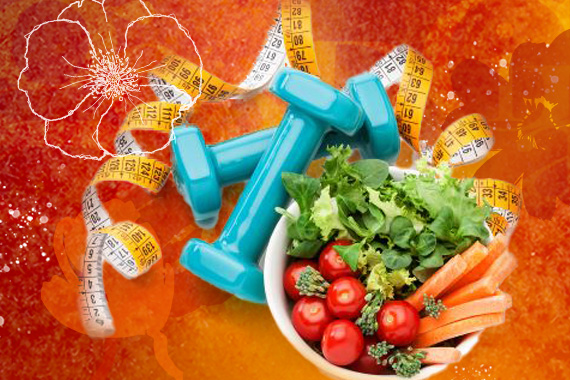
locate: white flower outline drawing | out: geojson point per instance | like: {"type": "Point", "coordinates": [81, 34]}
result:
{"type": "Point", "coordinates": [114, 92]}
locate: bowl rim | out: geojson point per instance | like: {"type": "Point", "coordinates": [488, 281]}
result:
{"type": "Point", "coordinates": [273, 268]}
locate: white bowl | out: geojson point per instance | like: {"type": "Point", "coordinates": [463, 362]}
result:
{"type": "Point", "coordinates": [274, 265]}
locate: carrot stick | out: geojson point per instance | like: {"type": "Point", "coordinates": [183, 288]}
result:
{"type": "Point", "coordinates": [440, 280]}
{"type": "Point", "coordinates": [473, 256]}
{"type": "Point", "coordinates": [458, 328]}
{"type": "Point", "coordinates": [494, 304]}
{"type": "Point", "coordinates": [502, 268]}
{"type": "Point", "coordinates": [486, 286]}
{"type": "Point", "coordinates": [440, 355]}
{"type": "Point", "coordinates": [496, 247]}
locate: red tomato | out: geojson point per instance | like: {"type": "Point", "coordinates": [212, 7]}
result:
{"type": "Point", "coordinates": [331, 265]}
{"type": "Point", "coordinates": [342, 342]}
{"type": "Point", "coordinates": [310, 317]}
{"type": "Point", "coordinates": [345, 298]}
{"type": "Point", "coordinates": [292, 275]}
{"type": "Point", "coordinates": [398, 323]}
{"type": "Point", "coordinates": [366, 363]}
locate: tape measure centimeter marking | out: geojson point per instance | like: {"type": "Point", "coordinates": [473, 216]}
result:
{"type": "Point", "coordinates": [145, 172]}
{"type": "Point", "coordinates": [95, 314]}
{"type": "Point", "coordinates": [465, 140]}
{"type": "Point", "coordinates": [269, 60]}
{"type": "Point", "coordinates": [188, 76]}
{"type": "Point", "coordinates": [414, 73]}
{"type": "Point", "coordinates": [298, 35]}
{"type": "Point", "coordinates": [155, 116]}
{"type": "Point", "coordinates": [503, 197]}
{"type": "Point", "coordinates": [497, 224]}
{"type": "Point", "coordinates": [412, 97]}
{"type": "Point", "coordinates": [94, 214]}
{"type": "Point", "coordinates": [151, 116]}
{"type": "Point", "coordinates": [126, 144]}
{"type": "Point", "coordinates": [498, 194]}
{"type": "Point", "coordinates": [131, 250]}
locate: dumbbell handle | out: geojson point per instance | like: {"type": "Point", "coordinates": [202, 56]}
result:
{"type": "Point", "coordinates": [236, 159]}
{"type": "Point", "coordinates": [298, 138]}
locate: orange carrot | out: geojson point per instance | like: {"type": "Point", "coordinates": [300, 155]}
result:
{"type": "Point", "coordinates": [479, 289]}
{"type": "Point", "coordinates": [440, 355]}
{"type": "Point", "coordinates": [486, 286]}
{"type": "Point", "coordinates": [494, 304]}
{"type": "Point", "coordinates": [502, 268]}
{"type": "Point", "coordinates": [496, 247]}
{"type": "Point", "coordinates": [473, 256]}
{"type": "Point", "coordinates": [440, 280]}
{"type": "Point", "coordinates": [458, 328]}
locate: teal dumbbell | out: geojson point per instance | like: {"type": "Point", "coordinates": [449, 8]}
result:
{"type": "Point", "coordinates": [231, 263]}
{"type": "Point", "coordinates": [201, 171]}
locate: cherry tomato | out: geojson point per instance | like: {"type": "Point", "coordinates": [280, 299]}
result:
{"type": "Point", "coordinates": [366, 363]}
{"type": "Point", "coordinates": [345, 297]}
{"type": "Point", "coordinates": [310, 317]}
{"type": "Point", "coordinates": [292, 275]}
{"type": "Point", "coordinates": [331, 265]}
{"type": "Point", "coordinates": [398, 323]}
{"type": "Point", "coordinates": [342, 342]}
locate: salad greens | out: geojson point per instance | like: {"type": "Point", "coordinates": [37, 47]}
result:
{"type": "Point", "coordinates": [403, 231]}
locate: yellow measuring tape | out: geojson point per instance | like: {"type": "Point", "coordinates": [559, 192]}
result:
{"type": "Point", "coordinates": [132, 250]}
{"type": "Point", "coordinates": [504, 198]}
{"type": "Point", "coordinates": [129, 248]}
{"type": "Point", "coordinates": [155, 116]}
{"type": "Point", "coordinates": [298, 35]}
{"type": "Point", "coordinates": [466, 140]}
{"type": "Point", "coordinates": [145, 172]}
{"type": "Point", "coordinates": [290, 37]}
{"type": "Point", "coordinates": [412, 97]}
{"type": "Point", "coordinates": [497, 224]}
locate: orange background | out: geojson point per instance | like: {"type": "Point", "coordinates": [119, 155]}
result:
{"type": "Point", "coordinates": [170, 323]}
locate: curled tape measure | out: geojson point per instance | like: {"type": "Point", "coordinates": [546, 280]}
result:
{"type": "Point", "coordinates": [178, 83]}
{"type": "Point", "coordinates": [465, 141]}
{"type": "Point", "coordinates": [290, 37]}
{"type": "Point", "coordinates": [184, 75]}
{"type": "Point", "coordinates": [504, 198]}
{"type": "Point", "coordinates": [128, 247]}
{"type": "Point", "coordinates": [298, 36]}
{"type": "Point", "coordinates": [131, 250]}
